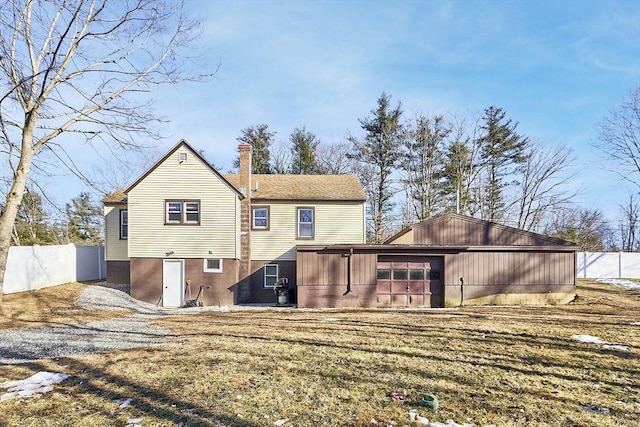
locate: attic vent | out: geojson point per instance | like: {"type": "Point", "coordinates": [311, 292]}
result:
{"type": "Point", "coordinates": [182, 157]}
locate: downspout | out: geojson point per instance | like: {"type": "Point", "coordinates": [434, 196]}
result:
{"type": "Point", "coordinates": [462, 292]}
{"type": "Point", "coordinates": [348, 256]}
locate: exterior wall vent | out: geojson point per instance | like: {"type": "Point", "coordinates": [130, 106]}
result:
{"type": "Point", "coordinates": [182, 157]}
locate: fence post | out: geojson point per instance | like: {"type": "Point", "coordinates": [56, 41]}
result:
{"type": "Point", "coordinates": [99, 251]}
{"type": "Point", "coordinates": [619, 264]}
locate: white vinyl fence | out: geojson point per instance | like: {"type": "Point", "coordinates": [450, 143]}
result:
{"type": "Point", "coordinates": [609, 265]}
{"type": "Point", "coordinates": [35, 267]}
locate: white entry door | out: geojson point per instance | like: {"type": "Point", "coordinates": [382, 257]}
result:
{"type": "Point", "coordinates": [172, 282]}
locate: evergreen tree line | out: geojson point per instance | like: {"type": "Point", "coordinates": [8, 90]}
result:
{"type": "Point", "coordinates": [415, 167]}
{"type": "Point", "coordinates": [81, 222]}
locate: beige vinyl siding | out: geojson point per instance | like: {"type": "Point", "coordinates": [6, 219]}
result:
{"type": "Point", "coordinates": [217, 234]}
{"type": "Point", "coordinates": [335, 222]}
{"type": "Point", "coordinates": [404, 239]}
{"type": "Point", "coordinates": [115, 249]}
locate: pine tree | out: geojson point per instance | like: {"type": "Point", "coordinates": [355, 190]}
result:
{"type": "Point", "coordinates": [422, 162]}
{"type": "Point", "coordinates": [456, 173]}
{"type": "Point", "coordinates": [303, 152]}
{"type": "Point", "coordinates": [502, 149]}
{"type": "Point", "coordinates": [260, 139]}
{"type": "Point", "coordinates": [32, 225]}
{"type": "Point", "coordinates": [377, 154]}
{"type": "Point", "coordinates": [84, 220]}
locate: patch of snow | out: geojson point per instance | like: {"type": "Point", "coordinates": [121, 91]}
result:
{"type": "Point", "coordinates": [589, 339]}
{"type": "Point", "coordinates": [616, 347]}
{"type": "Point", "coordinates": [627, 284]}
{"type": "Point", "coordinates": [34, 386]}
{"type": "Point", "coordinates": [281, 422]}
{"type": "Point", "coordinates": [635, 324]}
{"type": "Point", "coordinates": [123, 403]}
{"type": "Point", "coordinates": [331, 319]}
{"type": "Point", "coordinates": [448, 423]}
{"type": "Point", "coordinates": [414, 416]}
{"type": "Point", "coordinates": [133, 422]}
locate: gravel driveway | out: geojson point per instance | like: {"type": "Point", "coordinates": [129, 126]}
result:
{"type": "Point", "coordinates": [22, 345]}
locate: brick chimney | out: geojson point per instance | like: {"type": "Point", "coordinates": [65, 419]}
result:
{"type": "Point", "coordinates": [244, 285]}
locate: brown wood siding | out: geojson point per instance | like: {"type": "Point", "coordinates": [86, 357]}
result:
{"type": "Point", "coordinates": [491, 276]}
{"type": "Point", "coordinates": [322, 279]}
{"type": "Point", "coordinates": [508, 272]}
{"type": "Point", "coordinates": [118, 272]}
{"type": "Point", "coordinates": [146, 280]}
{"type": "Point", "coordinates": [458, 230]}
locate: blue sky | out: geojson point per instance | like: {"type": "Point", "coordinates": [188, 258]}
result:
{"type": "Point", "coordinates": [556, 67]}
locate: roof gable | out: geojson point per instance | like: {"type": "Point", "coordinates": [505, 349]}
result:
{"type": "Point", "coordinates": [116, 197]}
{"type": "Point", "coordinates": [454, 229]}
{"type": "Point", "coordinates": [185, 144]}
{"type": "Point", "coordinates": [304, 187]}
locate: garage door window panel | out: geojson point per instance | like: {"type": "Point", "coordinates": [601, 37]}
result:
{"type": "Point", "coordinates": [415, 274]}
{"type": "Point", "coordinates": [384, 274]}
{"type": "Point", "coordinates": [400, 274]}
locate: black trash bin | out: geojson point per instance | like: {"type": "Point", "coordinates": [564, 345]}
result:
{"type": "Point", "coordinates": [281, 289]}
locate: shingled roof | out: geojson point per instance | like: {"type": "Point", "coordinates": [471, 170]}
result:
{"type": "Point", "coordinates": [118, 196]}
{"type": "Point", "coordinates": [303, 187]}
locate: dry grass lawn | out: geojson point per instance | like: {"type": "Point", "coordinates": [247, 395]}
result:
{"type": "Point", "coordinates": [54, 305]}
{"type": "Point", "coordinates": [506, 366]}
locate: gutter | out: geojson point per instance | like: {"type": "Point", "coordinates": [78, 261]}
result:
{"type": "Point", "coordinates": [348, 257]}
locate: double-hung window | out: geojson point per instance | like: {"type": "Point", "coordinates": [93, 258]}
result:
{"type": "Point", "coordinates": [182, 212]}
{"type": "Point", "coordinates": [305, 223]}
{"type": "Point", "coordinates": [260, 218]}
{"type": "Point", "coordinates": [270, 275]}
{"type": "Point", "coordinates": [124, 224]}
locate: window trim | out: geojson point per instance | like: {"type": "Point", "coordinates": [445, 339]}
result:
{"type": "Point", "coordinates": [313, 222]}
{"type": "Point", "coordinates": [120, 224]}
{"type": "Point", "coordinates": [186, 212]}
{"type": "Point", "coordinates": [212, 270]}
{"type": "Point", "coordinates": [183, 212]}
{"type": "Point", "coordinates": [253, 217]}
{"type": "Point", "coordinates": [264, 283]}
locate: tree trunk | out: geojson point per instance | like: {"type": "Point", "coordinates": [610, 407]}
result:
{"type": "Point", "coordinates": [14, 198]}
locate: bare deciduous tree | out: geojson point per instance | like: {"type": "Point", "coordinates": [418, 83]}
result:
{"type": "Point", "coordinates": [81, 71]}
{"type": "Point", "coordinates": [629, 219]}
{"type": "Point", "coordinates": [422, 164]}
{"type": "Point", "coordinates": [542, 187]}
{"type": "Point", "coordinates": [333, 159]}
{"type": "Point", "coordinates": [619, 139]}
{"type": "Point", "coordinates": [280, 157]}
{"type": "Point", "coordinates": [585, 227]}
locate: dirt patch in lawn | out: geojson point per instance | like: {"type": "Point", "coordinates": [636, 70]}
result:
{"type": "Point", "coordinates": [516, 366]}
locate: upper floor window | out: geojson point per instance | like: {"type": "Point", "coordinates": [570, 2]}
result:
{"type": "Point", "coordinates": [260, 218]}
{"type": "Point", "coordinates": [124, 224]}
{"type": "Point", "coordinates": [182, 212]}
{"type": "Point", "coordinates": [305, 223]}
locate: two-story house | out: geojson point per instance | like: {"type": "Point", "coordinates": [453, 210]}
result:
{"type": "Point", "coordinates": [184, 228]}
